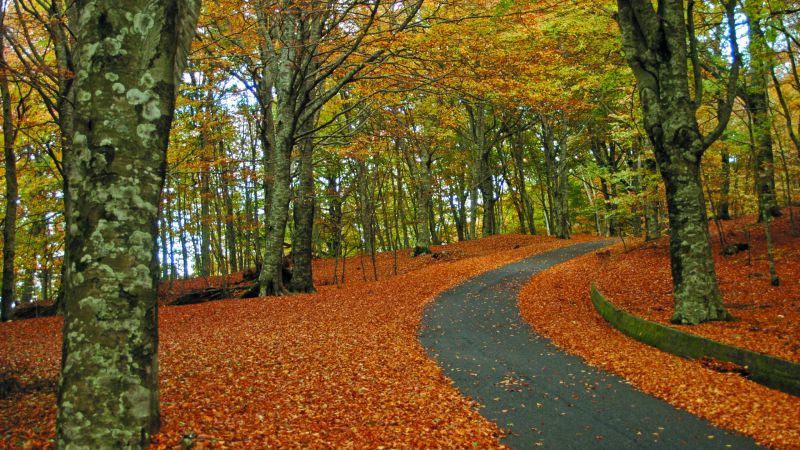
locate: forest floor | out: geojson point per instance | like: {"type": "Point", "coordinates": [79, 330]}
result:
{"type": "Point", "coordinates": [637, 278]}
{"type": "Point", "coordinates": [339, 368]}
{"type": "Point", "coordinates": [343, 367]}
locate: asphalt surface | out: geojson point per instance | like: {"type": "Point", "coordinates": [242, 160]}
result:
{"type": "Point", "coordinates": [540, 395]}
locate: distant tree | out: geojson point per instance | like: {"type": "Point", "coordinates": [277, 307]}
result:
{"type": "Point", "coordinates": [128, 60]}
{"type": "Point", "coordinates": [12, 190]}
{"type": "Point", "coordinates": [755, 95]}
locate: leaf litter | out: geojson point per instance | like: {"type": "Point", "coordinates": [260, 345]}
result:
{"type": "Point", "coordinates": [557, 304]}
{"type": "Point", "coordinates": [340, 368]}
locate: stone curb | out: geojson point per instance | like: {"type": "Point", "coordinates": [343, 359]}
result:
{"type": "Point", "coordinates": [776, 373]}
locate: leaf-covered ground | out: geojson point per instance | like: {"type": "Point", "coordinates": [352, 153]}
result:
{"type": "Point", "coordinates": [557, 304]}
{"type": "Point", "coordinates": [340, 368]}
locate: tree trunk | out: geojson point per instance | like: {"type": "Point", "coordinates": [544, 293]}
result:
{"type": "Point", "coordinates": [486, 187]}
{"type": "Point", "coordinates": [281, 70]}
{"type": "Point", "coordinates": [125, 98]}
{"type": "Point", "coordinates": [205, 224]}
{"type": "Point", "coordinates": [723, 207]}
{"type": "Point", "coordinates": [184, 249]}
{"type": "Point", "coordinates": [517, 149]}
{"type": "Point", "coordinates": [401, 207]}
{"type": "Point", "coordinates": [66, 113]}
{"type": "Point", "coordinates": [655, 46]}
{"type": "Point", "coordinates": [230, 216]}
{"type": "Point", "coordinates": [304, 208]}
{"type": "Point", "coordinates": [555, 149]}
{"type": "Point", "coordinates": [12, 190]}
{"type": "Point", "coordinates": [270, 280]}
{"type": "Point", "coordinates": [653, 206]}
{"type": "Point", "coordinates": [424, 206]}
{"type": "Point", "coordinates": [335, 212]}
{"type": "Point", "coordinates": [173, 269]}
{"type": "Point", "coordinates": [756, 98]}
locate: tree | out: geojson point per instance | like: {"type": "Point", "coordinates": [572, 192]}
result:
{"type": "Point", "coordinates": [756, 98]}
{"type": "Point", "coordinates": [52, 80]}
{"type": "Point", "coordinates": [308, 45]}
{"type": "Point", "coordinates": [655, 45]}
{"type": "Point", "coordinates": [128, 60]}
{"type": "Point", "coordinates": [12, 190]}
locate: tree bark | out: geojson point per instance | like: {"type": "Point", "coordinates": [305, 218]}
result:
{"type": "Point", "coordinates": [304, 208]}
{"type": "Point", "coordinates": [129, 58]}
{"type": "Point", "coordinates": [555, 150]}
{"type": "Point", "coordinates": [12, 190]}
{"type": "Point", "coordinates": [756, 97]}
{"type": "Point", "coordinates": [652, 207]}
{"type": "Point", "coordinates": [723, 207]}
{"type": "Point", "coordinates": [655, 44]}
{"type": "Point", "coordinates": [517, 152]}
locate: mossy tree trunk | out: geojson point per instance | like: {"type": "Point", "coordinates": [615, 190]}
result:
{"type": "Point", "coordinates": [304, 208]}
{"type": "Point", "coordinates": [270, 279]}
{"type": "Point", "coordinates": [655, 45]}
{"type": "Point", "coordinates": [128, 62]}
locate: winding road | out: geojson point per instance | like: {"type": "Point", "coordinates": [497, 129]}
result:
{"type": "Point", "coordinates": [542, 396]}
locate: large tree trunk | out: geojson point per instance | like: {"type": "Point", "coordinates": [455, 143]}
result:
{"type": "Point", "coordinates": [304, 208]}
{"type": "Point", "coordinates": [697, 296]}
{"type": "Point", "coordinates": [125, 97]}
{"type": "Point", "coordinates": [271, 280]}
{"type": "Point", "coordinates": [656, 49]}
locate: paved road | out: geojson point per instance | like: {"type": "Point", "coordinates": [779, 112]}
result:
{"type": "Point", "coordinates": [542, 396]}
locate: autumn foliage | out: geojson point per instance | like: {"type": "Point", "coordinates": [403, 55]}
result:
{"type": "Point", "coordinates": [557, 304]}
{"type": "Point", "coordinates": [340, 368]}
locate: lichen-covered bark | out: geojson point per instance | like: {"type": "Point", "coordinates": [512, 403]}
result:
{"type": "Point", "coordinates": [126, 65]}
{"type": "Point", "coordinates": [270, 280]}
{"type": "Point", "coordinates": [655, 44]}
{"type": "Point", "coordinates": [697, 296]}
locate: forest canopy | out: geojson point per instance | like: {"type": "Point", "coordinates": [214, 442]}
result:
{"type": "Point", "coordinates": [379, 126]}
